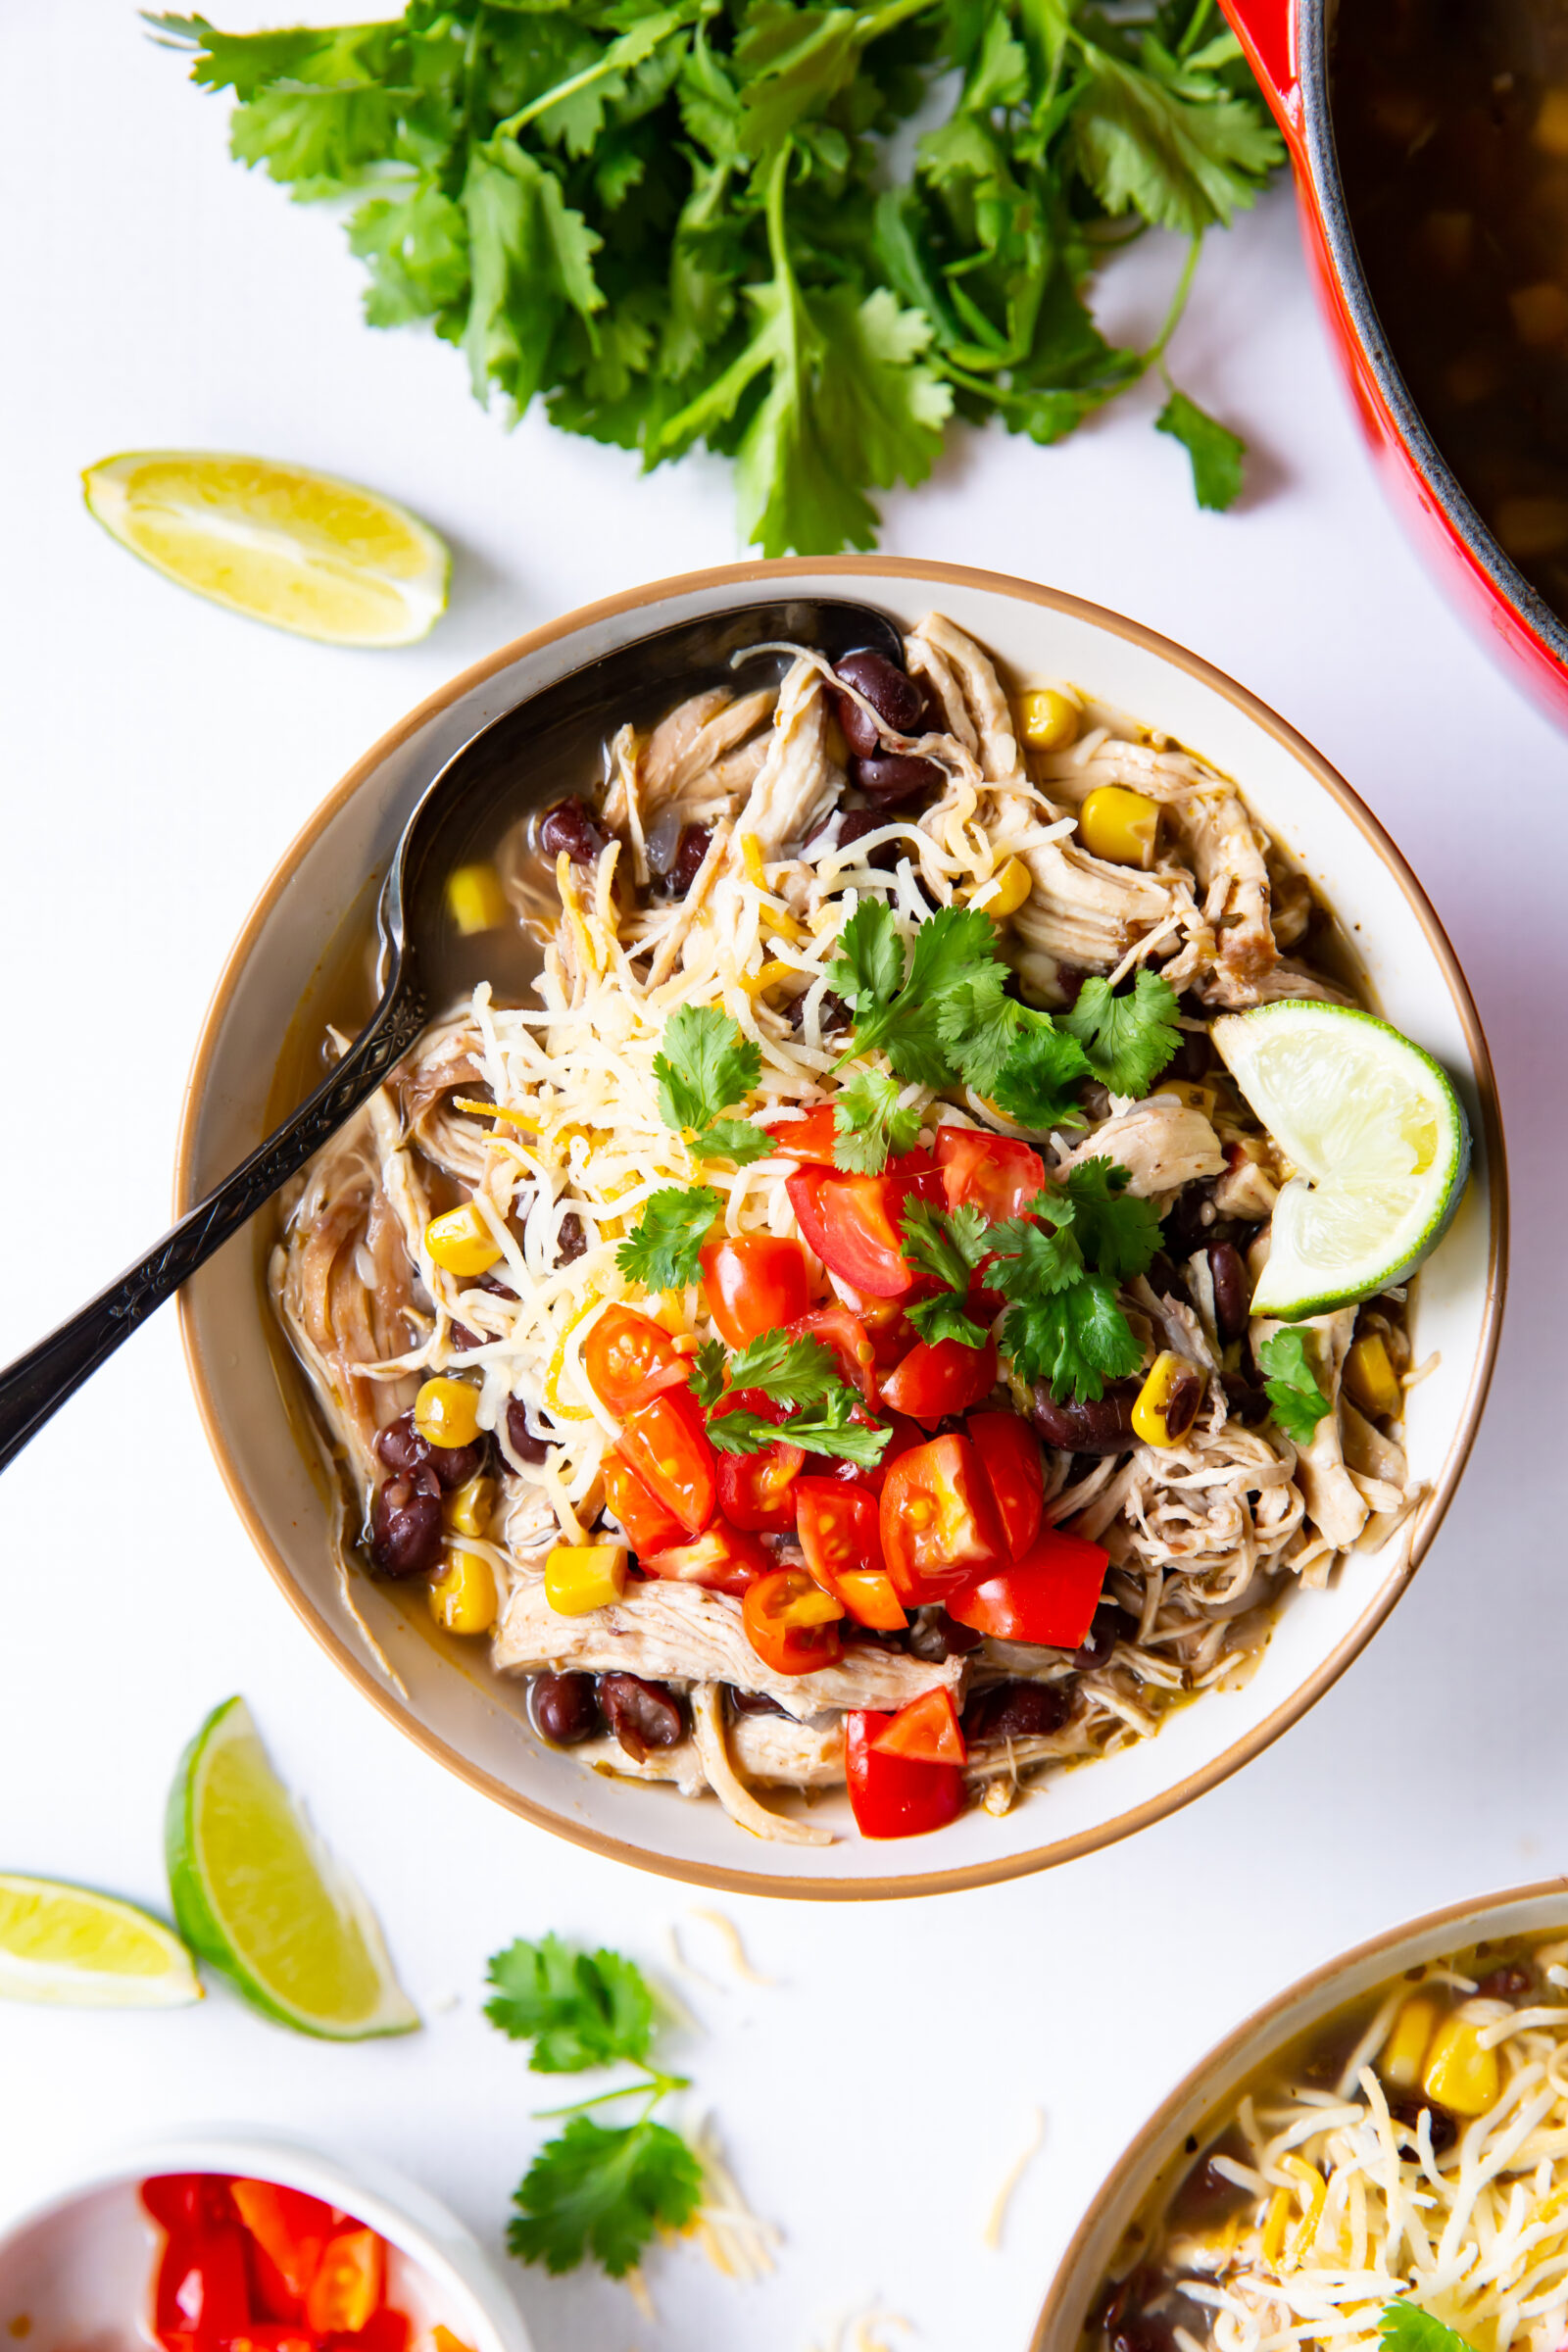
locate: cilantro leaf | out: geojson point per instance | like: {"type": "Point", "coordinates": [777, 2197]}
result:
{"type": "Point", "coordinates": [734, 1139]}
{"type": "Point", "coordinates": [532, 260]}
{"type": "Point", "coordinates": [707, 1373]}
{"type": "Point", "coordinates": [944, 1318]}
{"type": "Point", "coordinates": [868, 968]}
{"type": "Point", "coordinates": [1116, 1232]}
{"type": "Point", "coordinates": [830, 1430]}
{"type": "Point", "coordinates": [661, 1253]}
{"type": "Point", "coordinates": [977, 1022]}
{"type": "Point", "coordinates": [1292, 1385]}
{"type": "Point", "coordinates": [603, 2191]}
{"type": "Point", "coordinates": [791, 1371]}
{"type": "Point", "coordinates": [1406, 2328]}
{"type": "Point", "coordinates": [1044, 1064]}
{"type": "Point", "coordinates": [1076, 1339]}
{"type": "Point", "coordinates": [1033, 1261]}
{"type": "Point", "coordinates": [705, 1066]}
{"type": "Point", "coordinates": [578, 2009]}
{"type": "Point", "coordinates": [948, 1246]}
{"type": "Point", "coordinates": [1126, 1039]}
{"type": "Point", "coordinates": [954, 950]}
{"type": "Point", "coordinates": [871, 1122]}
{"type": "Point", "coordinates": [1179, 150]}
{"type": "Point", "coordinates": [1216, 453]}
{"type": "Point", "coordinates": [952, 946]}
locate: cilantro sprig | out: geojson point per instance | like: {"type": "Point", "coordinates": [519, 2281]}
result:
{"type": "Point", "coordinates": [705, 1065]}
{"type": "Point", "coordinates": [1292, 1385]}
{"type": "Point", "coordinates": [830, 1428]}
{"type": "Point", "coordinates": [684, 223]}
{"type": "Point", "coordinates": [948, 1249]}
{"type": "Point", "coordinates": [1406, 2328]}
{"type": "Point", "coordinates": [594, 2191]}
{"type": "Point", "coordinates": [1060, 1266]}
{"type": "Point", "coordinates": [1127, 1040]}
{"type": "Point", "coordinates": [793, 1372]}
{"type": "Point", "coordinates": [663, 1251]}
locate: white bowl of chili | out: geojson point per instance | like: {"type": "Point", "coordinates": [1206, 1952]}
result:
{"type": "Point", "coordinates": [256, 1410]}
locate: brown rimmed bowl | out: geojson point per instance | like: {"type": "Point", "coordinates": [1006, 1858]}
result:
{"type": "Point", "coordinates": [474, 1722]}
{"type": "Point", "coordinates": [1198, 2105]}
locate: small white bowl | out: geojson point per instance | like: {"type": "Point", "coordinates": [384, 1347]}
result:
{"type": "Point", "coordinates": [78, 2264]}
{"type": "Point", "coordinates": [253, 1404]}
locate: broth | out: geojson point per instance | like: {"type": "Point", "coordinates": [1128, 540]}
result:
{"type": "Point", "coordinates": [1450, 118]}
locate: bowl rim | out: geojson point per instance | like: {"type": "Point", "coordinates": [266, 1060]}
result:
{"type": "Point", "coordinates": [1148, 2140]}
{"type": "Point", "coordinates": [1241, 1751]}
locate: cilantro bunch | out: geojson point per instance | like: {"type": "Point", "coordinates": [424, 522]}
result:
{"type": "Point", "coordinates": [683, 223]}
{"type": "Point", "coordinates": [595, 2189]}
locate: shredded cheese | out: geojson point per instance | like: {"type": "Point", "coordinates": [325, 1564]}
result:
{"type": "Point", "coordinates": [991, 2234]}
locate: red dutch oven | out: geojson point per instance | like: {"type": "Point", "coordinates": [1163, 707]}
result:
{"type": "Point", "coordinates": [1288, 44]}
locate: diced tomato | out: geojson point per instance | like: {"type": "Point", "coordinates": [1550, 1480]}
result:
{"type": "Point", "coordinates": [753, 1282]}
{"type": "Point", "coordinates": [185, 2201]}
{"type": "Point", "coordinates": [277, 2335]}
{"type": "Point", "coordinates": [852, 1222]}
{"type": "Point", "coordinates": [995, 1172]}
{"type": "Point", "coordinates": [868, 1597]}
{"type": "Point", "coordinates": [938, 1524]}
{"type": "Point", "coordinates": [809, 1137]}
{"type": "Point", "coordinates": [838, 1328]}
{"type": "Point", "coordinates": [791, 1623]}
{"type": "Point", "coordinates": [1009, 1457]}
{"type": "Point", "coordinates": [667, 1446]}
{"type": "Point", "coordinates": [347, 2287]}
{"type": "Point", "coordinates": [385, 2330]}
{"type": "Point", "coordinates": [290, 2228]}
{"type": "Point", "coordinates": [838, 1526]}
{"type": "Point", "coordinates": [649, 1524]}
{"type": "Point", "coordinates": [757, 1491]}
{"type": "Point", "coordinates": [894, 1797]}
{"type": "Point", "coordinates": [724, 1559]}
{"type": "Point", "coordinates": [628, 1358]}
{"type": "Point", "coordinates": [939, 1377]}
{"type": "Point", "coordinates": [1049, 1597]}
{"type": "Point", "coordinates": [202, 2294]}
{"type": "Point", "coordinates": [927, 1731]}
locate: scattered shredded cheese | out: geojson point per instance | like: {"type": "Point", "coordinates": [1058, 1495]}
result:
{"type": "Point", "coordinates": [991, 2235]}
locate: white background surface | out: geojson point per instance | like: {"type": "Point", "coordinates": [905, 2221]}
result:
{"type": "Point", "coordinates": [157, 756]}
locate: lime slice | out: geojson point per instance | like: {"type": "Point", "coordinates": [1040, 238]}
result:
{"type": "Point", "coordinates": [1379, 1140]}
{"type": "Point", "coordinates": [304, 551]}
{"type": "Point", "coordinates": [256, 1895]}
{"type": "Point", "coordinates": [84, 1950]}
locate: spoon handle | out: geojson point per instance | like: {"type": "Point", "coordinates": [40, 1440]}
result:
{"type": "Point", "coordinates": [33, 1386]}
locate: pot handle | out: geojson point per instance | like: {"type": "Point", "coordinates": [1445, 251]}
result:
{"type": "Point", "coordinates": [1266, 31]}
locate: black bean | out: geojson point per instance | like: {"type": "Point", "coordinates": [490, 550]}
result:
{"type": "Point", "coordinates": [1248, 1404]}
{"type": "Point", "coordinates": [1070, 980]}
{"type": "Point", "coordinates": [568, 826]}
{"type": "Point", "coordinates": [1181, 1405]}
{"type": "Point", "coordinates": [1105, 1426]}
{"type": "Point", "coordinates": [464, 1338]}
{"type": "Point", "coordinates": [895, 775]}
{"type": "Point", "coordinates": [642, 1715]}
{"type": "Point", "coordinates": [1233, 1292]}
{"type": "Point", "coordinates": [1166, 1279]}
{"type": "Point", "coordinates": [495, 1287]}
{"type": "Point", "coordinates": [1124, 2295]}
{"type": "Point", "coordinates": [1191, 1221]}
{"type": "Point", "coordinates": [936, 1637]}
{"type": "Point", "coordinates": [690, 850]}
{"type": "Point", "coordinates": [892, 693]}
{"type": "Point", "coordinates": [1141, 2332]}
{"type": "Point", "coordinates": [406, 1524]}
{"type": "Point", "coordinates": [455, 1465]}
{"type": "Point", "coordinates": [1108, 1627]}
{"type": "Point", "coordinates": [855, 824]}
{"type": "Point", "coordinates": [1504, 1984]}
{"type": "Point", "coordinates": [1405, 2108]}
{"type": "Point", "coordinates": [566, 1707]}
{"type": "Point", "coordinates": [570, 1238]}
{"type": "Point", "coordinates": [1015, 1711]}
{"type": "Point", "coordinates": [524, 1444]}
{"type": "Point", "coordinates": [1193, 1059]}
{"type": "Point", "coordinates": [403, 1450]}
{"type": "Point", "coordinates": [753, 1703]}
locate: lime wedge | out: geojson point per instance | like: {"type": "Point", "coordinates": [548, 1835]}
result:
{"type": "Point", "coordinates": [256, 1895]}
{"type": "Point", "coordinates": [84, 1950]}
{"type": "Point", "coordinates": [304, 551]}
{"type": "Point", "coordinates": [1379, 1140]}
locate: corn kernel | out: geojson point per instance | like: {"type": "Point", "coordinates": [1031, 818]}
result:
{"type": "Point", "coordinates": [1371, 1378]}
{"type": "Point", "coordinates": [1168, 1401]}
{"type": "Point", "coordinates": [476, 899]}
{"type": "Point", "coordinates": [468, 1511]}
{"type": "Point", "coordinates": [446, 1412]}
{"type": "Point", "coordinates": [1552, 124]}
{"type": "Point", "coordinates": [1014, 884]}
{"type": "Point", "coordinates": [579, 1577]}
{"type": "Point", "coordinates": [1459, 2073]}
{"type": "Point", "coordinates": [1119, 825]}
{"type": "Point", "coordinates": [461, 1242]}
{"type": "Point", "coordinates": [463, 1597]}
{"type": "Point", "coordinates": [1407, 2044]}
{"type": "Point", "coordinates": [1048, 720]}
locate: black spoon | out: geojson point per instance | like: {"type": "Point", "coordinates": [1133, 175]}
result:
{"type": "Point", "coordinates": [542, 746]}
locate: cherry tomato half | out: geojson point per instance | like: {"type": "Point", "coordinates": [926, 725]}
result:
{"type": "Point", "coordinates": [852, 1223]}
{"type": "Point", "coordinates": [995, 1172]}
{"type": "Point", "coordinates": [667, 1446]}
{"type": "Point", "coordinates": [650, 1525]}
{"type": "Point", "coordinates": [809, 1137]}
{"type": "Point", "coordinates": [1009, 1457]}
{"type": "Point", "coordinates": [757, 1491]}
{"type": "Point", "coordinates": [927, 1731]}
{"type": "Point", "coordinates": [628, 1357]}
{"type": "Point", "coordinates": [939, 1377]}
{"type": "Point", "coordinates": [838, 1525]}
{"type": "Point", "coordinates": [1049, 1597]}
{"type": "Point", "coordinates": [791, 1623]}
{"type": "Point", "coordinates": [753, 1282]}
{"type": "Point", "coordinates": [724, 1559]}
{"type": "Point", "coordinates": [896, 1796]}
{"type": "Point", "coordinates": [938, 1523]}
{"type": "Point", "coordinates": [838, 1328]}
